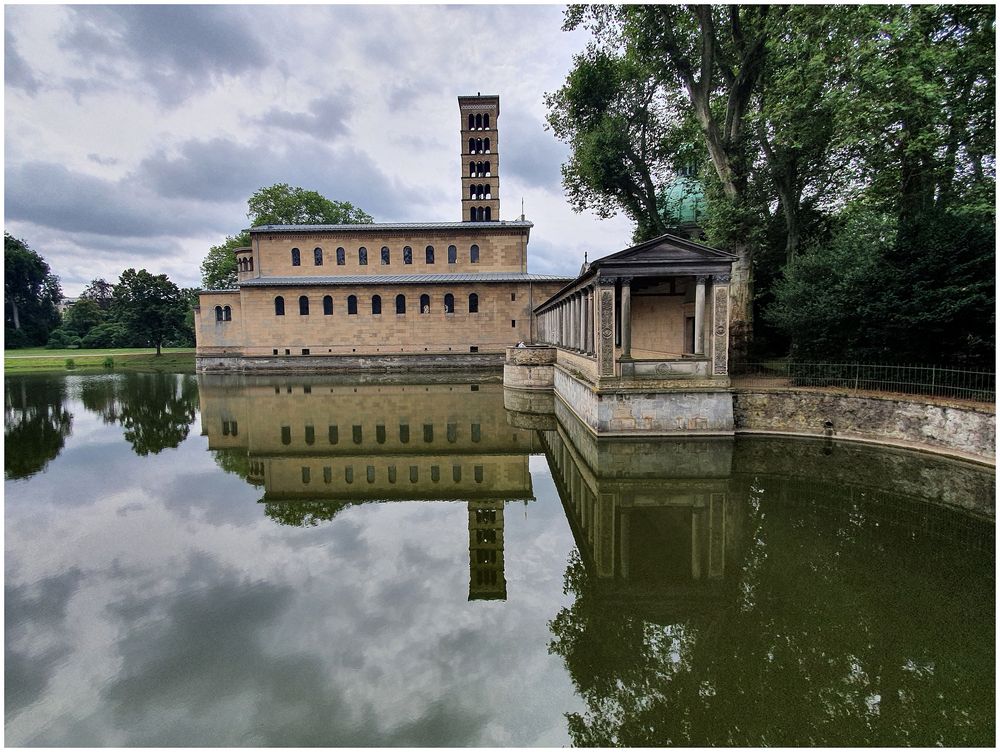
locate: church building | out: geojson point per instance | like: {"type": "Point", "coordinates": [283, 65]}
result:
{"type": "Point", "coordinates": [398, 295]}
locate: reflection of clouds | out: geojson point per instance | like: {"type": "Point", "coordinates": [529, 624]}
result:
{"type": "Point", "coordinates": [34, 641]}
{"type": "Point", "coordinates": [201, 621]}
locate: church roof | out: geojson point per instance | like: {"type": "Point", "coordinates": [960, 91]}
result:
{"type": "Point", "coordinates": [400, 279]}
{"type": "Point", "coordinates": [393, 227]}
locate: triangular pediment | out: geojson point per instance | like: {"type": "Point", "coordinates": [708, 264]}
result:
{"type": "Point", "coordinates": [667, 250]}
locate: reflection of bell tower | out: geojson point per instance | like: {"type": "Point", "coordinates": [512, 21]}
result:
{"type": "Point", "coordinates": [486, 580]}
{"type": "Point", "coordinates": [480, 160]}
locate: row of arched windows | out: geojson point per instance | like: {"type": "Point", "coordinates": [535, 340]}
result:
{"type": "Point", "coordinates": [223, 313]}
{"type": "Point", "coordinates": [479, 146]}
{"type": "Point", "coordinates": [479, 122]}
{"type": "Point", "coordinates": [456, 476]}
{"type": "Point", "coordinates": [357, 433]}
{"type": "Point", "coordinates": [480, 191]}
{"type": "Point", "coordinates": [479, 169]}
{"type": "Point", "coordinates": [480, 213]}
{"type": "Point", "coordinates": [352, 305]}
{"type": "Point", "coordinates": [385, 255]}
{"type": "Point", "coordinates": [245, 264]}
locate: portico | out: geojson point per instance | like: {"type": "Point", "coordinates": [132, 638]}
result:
{"type": "Point", "coordinates": [658, 310]}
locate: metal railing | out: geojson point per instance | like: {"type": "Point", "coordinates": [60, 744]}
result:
{"type": "Point", "coordinates": [931, 381]}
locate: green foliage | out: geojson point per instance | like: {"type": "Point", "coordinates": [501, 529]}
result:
{"type": "Point", "coordinates": [109, 334]}
{"type": "Point", "coordinates": [109, 362]}
{"type": "Point", "coordinates": [70, 364]}
{"type": "Point", "coordinates": [151, 306]}
{"type": "Point", "coordinates": [218, 270]}
{"type": "Point", "coordinates": [62, 338]}
{"type": "Point", "coordinates": [31, 295]}
{"type": "Point", "coordinates": [36, 424]}
{"type": "Point", "coordinates": [281, 204]}
{"type": "Point", "coordinates": [99, 291]}
{"type": "Point", "coordinates": [82, 316]}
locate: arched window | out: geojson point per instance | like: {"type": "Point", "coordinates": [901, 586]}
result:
{"type": "Point", "coordinates": [489, 211]}
{"type": "Point", "coordinates": [474, 254]}
{"type": "Point", "coordinates": [363, 256]}
{"type": "Point", "coordinates": [479, 145]}
{"type": "Point", "coordinates": [341, 257]}
{"type": "Point", "coordinates": [385, 255]}
{"type": "Point", "coordinates": [488, 191]}
{"type": "Point", "coordinates": [407, 254]}
{"type": "Point", "coordinates": [472, 213]}
{"type": "Point", "coordinates": [472, 122]}
{"type": "Point", "coordinates": [250, 264]}
{"type": "Point", "coordinates": [376, 305]}
{"type": "Point", "coordinates": [473, 303]}
{"type": "Point", "coordinates": [480, 214]}
{"type": "Point", "coordinates": [429, 254]}
{"type": "Point", "coordinates": [296, 259]}
{"type": "Point", "coordinates": [452, 254]}
{"type": "Point", "coordinates": [449, 303]}
{"type": "Point", "coordinates": [472, 146]}
{"type": "Point", "coordinates": [486, 121]}
{"type": "Point", "coordinates": [487, 171]}
{"type": "Point", "coordinates": [425, 303]}
{"type": "Point", "coordinates": [327, 305]}
{"type": "Point", "coordinates": [303, 305]}
{"type": "Point", "coordinates": [472, 191]}
{"type": "Point", "coordinates": [352, 305]}
{"type": "Point", "coordinates": [400, 303]}
{"type": "Point", "coordinates": [227, 314]}
{"type": "Point", "coordinates": [218, 313]}
{"type": "Point", "coordinates": [486, 145]}
{"type": "Point", "coordinates": [472, 169]}
{"type": "Point", "coordinates": [279, 306]}
{"type": "Point", "coordinates": [318, 256]}
{"type": "Point", "coordinates": [479, 122]}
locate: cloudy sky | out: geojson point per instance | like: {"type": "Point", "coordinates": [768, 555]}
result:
{"type": "Point", "coordinates": [135, 134]}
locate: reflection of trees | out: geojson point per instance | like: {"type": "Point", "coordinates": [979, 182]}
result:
{"type": "Point", "coordinates": [236, 460]}
{"type": "Point", "coordinates": [303, 513]}
{"type": "Point", "coordinates": [155, 410]}
{"type": "Point", "coordinates": [837, 632]}
{"type": "Point", "coordinates": [36, 424]}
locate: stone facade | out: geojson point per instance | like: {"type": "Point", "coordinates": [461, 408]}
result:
{"type": "Point", "coordinates": [416, 290]}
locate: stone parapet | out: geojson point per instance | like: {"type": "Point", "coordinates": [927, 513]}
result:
{"type": "Point", "coordinates": [332, 364]}
{"type": "Point", "coordinates": [968, 432]}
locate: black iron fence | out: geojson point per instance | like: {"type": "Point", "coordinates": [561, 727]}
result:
{"type": "Point", "coordinates": [932, 381]}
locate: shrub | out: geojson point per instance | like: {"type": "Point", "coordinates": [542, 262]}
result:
{"type": "Point", "coordinates": [70, 364]}
{"type": "Point", "coordinates": [109, 362]}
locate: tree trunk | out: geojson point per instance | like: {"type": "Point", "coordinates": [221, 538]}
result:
{"type": "Point", "coordinates": [157, 348]}
{"type": "Point", "coordinates": [17, 319]}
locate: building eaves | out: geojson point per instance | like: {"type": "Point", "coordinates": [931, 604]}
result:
{"type": "Point", "coordinates": [400, 279]}
{"type": "Point", "coordinates": [394, 227]}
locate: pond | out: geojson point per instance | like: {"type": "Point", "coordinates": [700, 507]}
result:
{"type": "Point", "coordinates": [302, 561]}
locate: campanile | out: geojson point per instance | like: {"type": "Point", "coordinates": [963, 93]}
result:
{"type": "Point", "coordinates": [480, 157]}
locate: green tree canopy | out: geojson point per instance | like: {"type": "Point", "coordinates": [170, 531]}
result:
{"type": "Point", "coordinates": [31, 295]}
{"type": "Point", "coordinates": [279, 204]}
{"type": "Point", "coordinates": [150, 305]}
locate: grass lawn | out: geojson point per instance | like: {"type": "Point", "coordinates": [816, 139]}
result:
{"type": "Point", "coordinates": [39, 359]}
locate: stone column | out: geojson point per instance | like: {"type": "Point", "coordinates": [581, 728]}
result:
{"type": "Point", "coordinates": [588, 321]}
{"type": "Point", "coordinates": [699, 316]}
{"type": "Point", "coordinates": [720, 330]}
{"type": "Point", "coordinates": [573, 328]}
{"type": "Point", "coordinates": [626, 317]}
{"type": "Point", "coordinates": [606, 327]}
{"type": "Point", "coordinates": [582, 328]}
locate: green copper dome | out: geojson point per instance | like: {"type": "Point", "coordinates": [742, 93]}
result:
{"type": "Point", "coordinates": [682, 202]}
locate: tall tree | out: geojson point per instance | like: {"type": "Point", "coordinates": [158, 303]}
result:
{"type": "Point", "coordinates": [100, 291]}
{"type": "Point", "coordinates": [279, 204]}
{"type": "Point", "coordinates": [31, 294]}
{"type": "Point", "coordinates": [149, 305]}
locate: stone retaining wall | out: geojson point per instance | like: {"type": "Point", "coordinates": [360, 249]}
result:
{"type": "Point", "coordinates": [965, 431]}
{"type": "Point", "coordinates": [332, 364]}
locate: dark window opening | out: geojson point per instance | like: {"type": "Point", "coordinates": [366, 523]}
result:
{"type": "Point", "coordinates": [349, 474]}
{"type": "Point", "coordinates": [352, 305]}
{"type": "Point", "coordinates": [473, 303]}
{"type": "Point", "coordinates": [477, 432]}
{"type": "Point", "coordinates": [404, 433]}
{"type": "Point", "coordinates": [279, 306]}
{"type": "Point", "coordinates": [218, 313]}
{"type": "Point", "coordinates": [310, 435]}
{"type": "Point", "coordinates": [456, 473]}
{"type": "Point", "coordinates": [305, 350]}
{"type": "Point", "coordinates": [385, 255]}
{"type": "Point", "coordinates": [435, 473]}
{"type": "Point", "coordinates": [449, 303]}
{"type": "Point", "coordinates": [429, 254]}
{"type": "Point", "coordinates": [296, 258]}
{"type": "Point", "coordinates": [333, 434]}
{"type": "Point", "coordinates": [318, 256]}
{"type": "Point", "coordinates": [305, 475]}
{"type": "Point", "coordinates": [400, 304]}
{"type": "Point", "coordinates": [452, 433]}
{"type": "Point", "coordinates": [341, 257]}
{"type": "Point", "coordinates": [452, 254]}
{"type": "Point", "coordinates": [303, 305]}
{"type": "Point", "coordinates": [227, 314]}
{"type": "Point", "coordinates": [286, 435]}
{"type": "Point", "coordinates": [474, 254]}
{"type": "Point", "coordinates": [363, 256]}
{"type": "Point", "coordinates": [370, 472]}
{"type": "Point", "coordinates": [376, 305]}
{"type": "Point", "coordinates": [380, 434]}
{"type": "Point", "coordinates": [407, 254]}
{"type": "Point", "coordinates": [356, 434]}
{"type": "Point", "coordinates": [425, 303]}
{"type": "Point", "coordinates": [327, 305]}
{"type": "Point", "coordinates": [428, 433]}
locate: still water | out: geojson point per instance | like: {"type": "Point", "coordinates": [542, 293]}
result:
{"type": "Point", "coordinates": [300, 561]}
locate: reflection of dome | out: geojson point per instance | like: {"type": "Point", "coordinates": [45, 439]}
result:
{"type": "Point", "coordinates": [682, 202]}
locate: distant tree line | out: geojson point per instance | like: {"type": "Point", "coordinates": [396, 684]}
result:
{"type": "Point", "coordinates": [847, 155]}
{"type": "Point", "coordinates": [140, 310]}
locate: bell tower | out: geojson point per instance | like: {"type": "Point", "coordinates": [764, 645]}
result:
{"type": "Point", "coordinates": [480, 158]}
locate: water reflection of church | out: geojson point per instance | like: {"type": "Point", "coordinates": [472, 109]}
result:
{"type": "Point", "coordinates": [316, 447]}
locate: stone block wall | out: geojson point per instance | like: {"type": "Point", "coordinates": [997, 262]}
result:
{"type": "Point", "coordinates": [968, 431]}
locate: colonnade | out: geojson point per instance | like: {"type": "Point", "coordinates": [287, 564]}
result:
{"type": "Point", "coordinates": [570, 323]}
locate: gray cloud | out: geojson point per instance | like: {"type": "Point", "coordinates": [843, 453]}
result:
{"type": "Point", "coordinates": [51, 195]}
{"type": "Point", "coordinates": [175, 50]}
{"type": "Point", "coordinates": [531, 153]}
{"type": "Point", "coordinates": [101, 160]}
{"type": "Point", "coordinates": [17, 73]}
{"type": "Point", "coordinates": [325, 117]}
